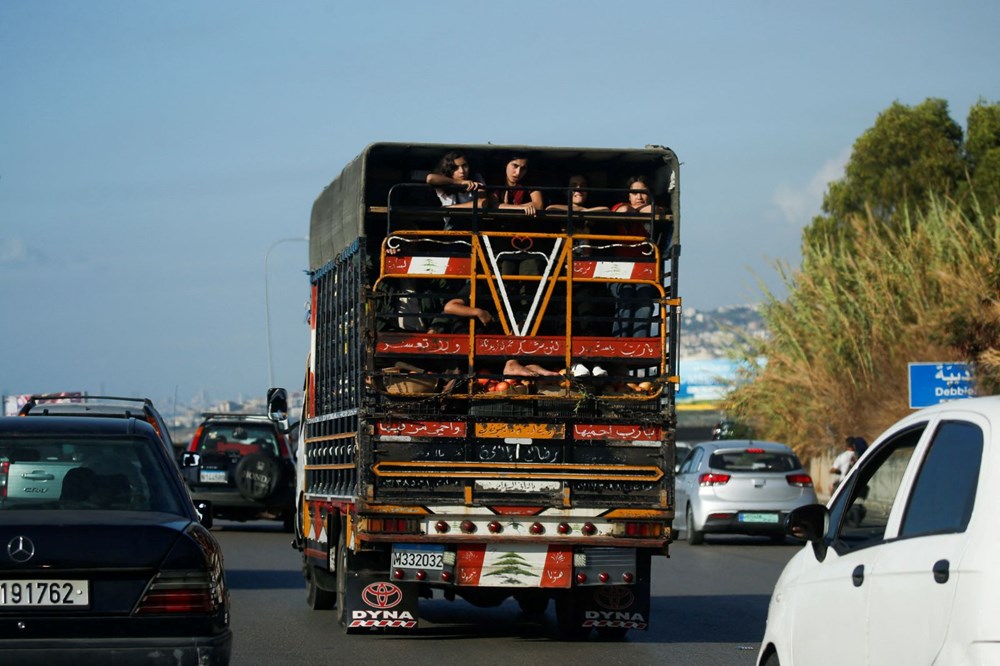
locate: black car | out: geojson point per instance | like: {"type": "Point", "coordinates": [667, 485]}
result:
{"type": "Point", "coordinates": [102, 557]}
{"type": "Point", "coordinates": [103, 406]}
{"type": "Point", "coordinates": [240, 467]}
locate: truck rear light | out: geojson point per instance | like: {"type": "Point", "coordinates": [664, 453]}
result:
{"type": "Point", "coordinates": [468, 526]}
{"type": "Point", "coordinates": [394, 525]}
{"type": "Point", "coordinates": [637, 529]}
{"type": "Point", "coordinates": [713, 479]}
{"type": "Point", "coordinates": [193, 591]}
{"type": "Point", "coordinates": [800, 480]}
{"type": "Point", "coordinates": [588, 529]}
{"type": "Point", "coordinates": [495, 527]}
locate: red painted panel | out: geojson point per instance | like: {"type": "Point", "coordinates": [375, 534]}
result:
{"type": "Point", "coordinates": [469, 564]}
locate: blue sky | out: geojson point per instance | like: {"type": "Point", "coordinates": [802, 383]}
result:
{"type": "Point", "coordinates": [152, 152]}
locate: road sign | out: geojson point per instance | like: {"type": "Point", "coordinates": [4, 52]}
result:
{"type": "Point", "coordinates": [933, 383]}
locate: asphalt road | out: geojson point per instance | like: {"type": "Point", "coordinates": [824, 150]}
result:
{"type": "Point", "coordinates": [709, 607]}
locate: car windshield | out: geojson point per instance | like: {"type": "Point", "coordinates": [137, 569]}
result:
{"type": "Point", "coordinates": [238, 438]}
{"type": "Point", "coordinates": [753, 460]}
{"type": "Point", "coordinates": [85, 473]}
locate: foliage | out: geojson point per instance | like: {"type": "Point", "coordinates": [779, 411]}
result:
{"type": "Point", "coordinates": [909, 154]}
{"type": "Point", "coordinates": [836, 358]}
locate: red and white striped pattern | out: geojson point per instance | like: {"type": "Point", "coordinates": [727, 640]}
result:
{"type": "Point", "coordinates": [615, 270]}
{"type": "Point", "coordinates": [417, 265]}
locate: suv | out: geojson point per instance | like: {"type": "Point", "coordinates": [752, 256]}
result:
{"type": "Point", "coordinates": [141, 409]}
{"type": "Point", "coordinates": [240, 467]}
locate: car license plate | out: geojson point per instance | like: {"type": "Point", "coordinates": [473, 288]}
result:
{"type": "Point", "coordinates": [47, 593]}
{"type": "Point", "coordinates": [759, 518]}
{"type": "Point", "coordinates": [212, 476]}
{"type": "Point", "coordinates": [412, 556]}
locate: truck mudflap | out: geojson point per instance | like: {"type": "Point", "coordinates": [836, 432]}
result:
{"type": "Point", "coordinates": [611, 609]}
{"type": "Point", "coordinates": [371, 602]}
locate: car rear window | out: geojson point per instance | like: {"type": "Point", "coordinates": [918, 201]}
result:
{"type": "Point", "coordinates": [753, 460]}
{"type": "Point", "coordinates": [239, 439]}
{"type": "Point", "coordinates": [85, 473]}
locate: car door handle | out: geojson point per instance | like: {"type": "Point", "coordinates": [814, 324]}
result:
{"type": "Point", "coordinates": [858, 575]}
{"type": "Point", "coordinates": [941, 571]}
{"type": "Point", "coordinates": [38, 476]}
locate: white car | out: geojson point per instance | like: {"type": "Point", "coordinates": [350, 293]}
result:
{"type": "Point", "coordinates": [739, 486]}
{"type": "Point", "coordinates": [902, 564]}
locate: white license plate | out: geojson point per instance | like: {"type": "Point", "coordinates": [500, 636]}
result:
{"type": "Point", "coordinates": [26, 593]}
{"type": "Point", "coordinates": [759, 518]}
{"type": "Point", "coordinates": [212, 476]}
{"type": "Point", "coordinates": [518, 486]}
{"type": "Point", "coordinates": [418, 558]}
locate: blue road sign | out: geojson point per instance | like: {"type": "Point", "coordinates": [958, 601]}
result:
{"type": "Point", "coordinates": [933, 383]}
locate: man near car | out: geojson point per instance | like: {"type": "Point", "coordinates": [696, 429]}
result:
{"type": "Point", "coordinates": [843, 463]}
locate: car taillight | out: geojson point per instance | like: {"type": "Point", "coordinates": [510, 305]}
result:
{"type": "Point", "coordinates": [755, 450]}
{"type": "Point", "coordinates": [186, 591]}
{"type": "Point", "coordinates": [713, 479]}
{"type": "Point", "coordinates": [800, 480]}
{"type": "Point", "coordinates": [4, 471]}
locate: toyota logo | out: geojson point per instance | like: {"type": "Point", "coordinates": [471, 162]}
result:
{"type": "Point", "coordinates": [20, 549]}
{"type": "Point", "coordinates": [382, 595]}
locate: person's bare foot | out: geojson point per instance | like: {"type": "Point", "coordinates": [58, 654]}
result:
{"type": "Point", "coordinates": [514, 368]}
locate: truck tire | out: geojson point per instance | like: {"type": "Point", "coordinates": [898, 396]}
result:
{"type": "Point", "coordinates": [568, 617]}
{"type": "Point", "coordinates": [258, 476]}
{"type": "Point", "coordinates": [343, 615]}
{"type": "Point", "coordinates": [316, 597]}
{"type": "Point", "coordinates": [694, 537]}
{"type": "Point", "coordinates": [532, 603]}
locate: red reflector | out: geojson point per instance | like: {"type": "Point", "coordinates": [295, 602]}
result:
{"type": "Point", "coordinates": [801, 480]}
{"type": "Point", "coordinates": [713, 479]}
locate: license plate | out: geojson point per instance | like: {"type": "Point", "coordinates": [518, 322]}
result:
{"type": "Point", "coordinates": [759, 518]}
{"type": "Point", "coordinates": [44, 593]}
{"type": "Point", "coordinates": [212, 476]}
{"type": "Point", "coordinates": [518, 486]}
{"type": "Point", "coordinates": [418, 557]}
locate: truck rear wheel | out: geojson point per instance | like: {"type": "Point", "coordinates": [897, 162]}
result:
{"type": "Point", "coordinates": [316, 596]}
{"type": "Point", "coordinates": [569, 618]}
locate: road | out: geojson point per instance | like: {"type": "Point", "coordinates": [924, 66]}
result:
{"type": "Point", "coordinates": [709, 607]}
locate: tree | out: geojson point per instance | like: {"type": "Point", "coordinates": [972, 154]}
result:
{"type": "Point", "coordinates": [982, 154]}
{"type": "Point", "coordinates": [908, 153]}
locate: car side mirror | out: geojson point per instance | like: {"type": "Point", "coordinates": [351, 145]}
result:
{"type": "Point", "coordinates": [277, 407]}
{"type": "Point", "coordinates": [190, 459]}
{"type": "Point", "coordinates": [810, 522]}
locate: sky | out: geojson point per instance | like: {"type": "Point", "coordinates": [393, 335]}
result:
{"type": "Point", "coordinates": [158, 160]}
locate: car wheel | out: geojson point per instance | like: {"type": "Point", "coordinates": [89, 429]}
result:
{"type": "Point", "coordinates": [772, 660]}
{"type": "Point", "coordinates": [778, 539]}
{"type": "Point", "coordinates": [694, 537]}
{"type": "Point", "coordinates": [316, 597]}
{"type": "Point", "coordinates": [258, 476]}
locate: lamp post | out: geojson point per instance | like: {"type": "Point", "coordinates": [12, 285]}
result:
{"type": "Point", "coordinates": [267, 304]}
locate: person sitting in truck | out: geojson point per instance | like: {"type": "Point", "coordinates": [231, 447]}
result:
{"type": "Point", "coordinates": [485, 320]}
{"type": "Point", "coordinates": [516, 194]}
{"type": "Point", "coordinates": [579, 196]}
{"type": "Point", "coordinates": [454, 183]}
{"type": "Point", "coordinates": [634, 302]}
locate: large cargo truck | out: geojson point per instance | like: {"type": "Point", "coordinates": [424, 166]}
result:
{"type": "Point", "coordinates": [525, 453]}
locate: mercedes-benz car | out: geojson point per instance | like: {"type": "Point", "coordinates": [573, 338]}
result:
{"type": "Point", "coordinates": [102, 557]}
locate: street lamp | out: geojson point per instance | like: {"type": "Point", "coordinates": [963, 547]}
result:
{"type": "Point", "coordinates": [267, 305]}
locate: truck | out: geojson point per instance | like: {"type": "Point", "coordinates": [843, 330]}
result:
{"type": "Point", "coordinates": [528, 454]}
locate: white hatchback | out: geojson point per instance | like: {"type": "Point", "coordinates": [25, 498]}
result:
{"type": "Point", "coordinates": [901, 567]}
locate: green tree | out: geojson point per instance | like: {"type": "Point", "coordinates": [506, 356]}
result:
{"type": "Point", "coordinates": [909, 153]}
{"type": "Point", "coordinates": [982, 154]}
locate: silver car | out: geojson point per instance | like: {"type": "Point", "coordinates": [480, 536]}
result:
{"type": "Point", "coordinates": [740, 486]}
